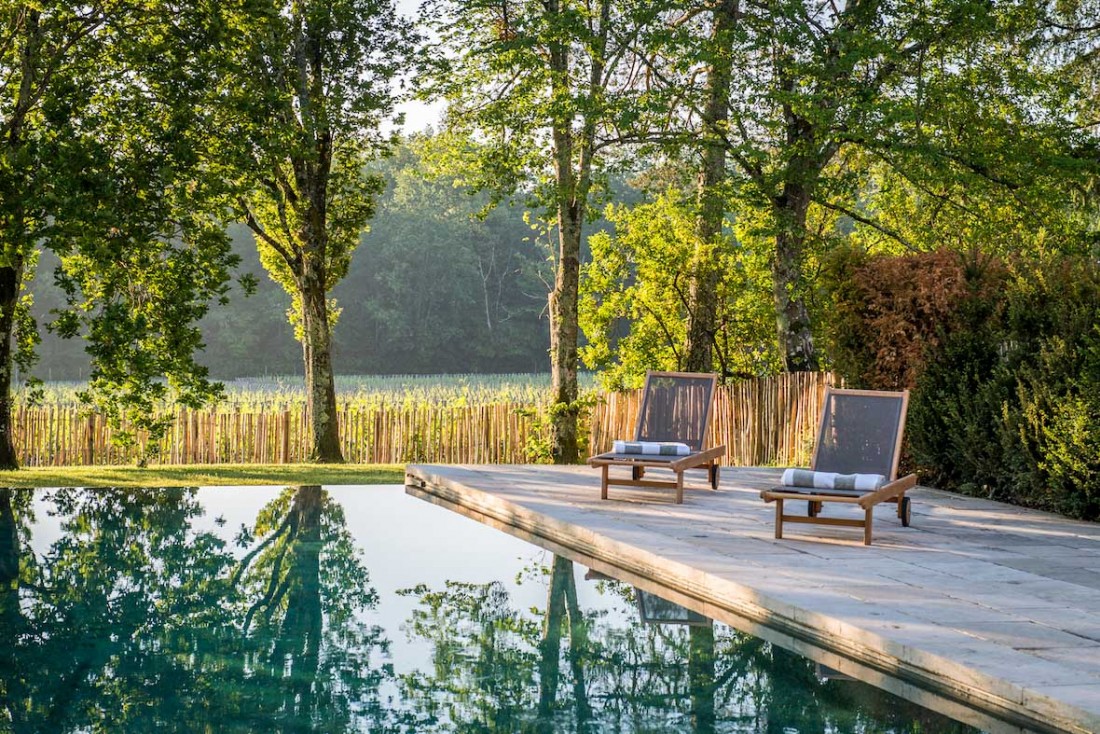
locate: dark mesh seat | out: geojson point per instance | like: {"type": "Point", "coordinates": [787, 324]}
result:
{"type": "Point", "coordinates": [859, 434]}
{"type": "Point", "coordinates": [676, 408]}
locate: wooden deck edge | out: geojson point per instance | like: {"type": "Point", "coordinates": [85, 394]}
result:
{"type": "Point", "coordinates": [959, 691]}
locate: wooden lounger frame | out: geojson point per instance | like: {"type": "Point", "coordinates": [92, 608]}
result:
{"type": "Point", "coordinates": [704, 459]}
{"type": "Point", "coordinates": [893, 491]}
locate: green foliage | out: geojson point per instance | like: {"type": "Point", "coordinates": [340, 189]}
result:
{"type": "Point", "coordinates": [634, 295]}
{"type": "Point", "coordinates": [107, 164]}
{"type": "Point", "coordinates": [490, 63]}
{"type": "Point", "coordinates": [998, 153]}
{"type": "Point", "coordinates": [141, 333]}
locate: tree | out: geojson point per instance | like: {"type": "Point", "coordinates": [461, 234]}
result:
{"type": "Point", "coordinates": [105, 163]}
{"type": "Point", "coordinates": [999, 152]}
{"type": "Point", "coordinates": [824, 89]}
{"type": "Point", "coordinates": [313, 87]}
{"type": "Point", "coordinates": [703, 305]}
{"type": "Point", "coordinates": [533, 90]}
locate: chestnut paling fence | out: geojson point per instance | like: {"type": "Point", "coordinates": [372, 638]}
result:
{"type": "Point", "coordinates": [767, 421]}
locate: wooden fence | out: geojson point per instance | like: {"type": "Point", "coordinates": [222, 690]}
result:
{"type": "Point", "coordinates": [770, 421]}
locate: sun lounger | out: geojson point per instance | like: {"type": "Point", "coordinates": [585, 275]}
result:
{"type": "Point", "coordinates": [675, 408]}
{"type": "Point", "coordinates": [860, 434]}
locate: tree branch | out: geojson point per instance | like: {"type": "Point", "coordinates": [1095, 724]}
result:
{"type": "Point", "coordinates": [896, 236]}
{"type": "Point", "coordinates": [258, 228]}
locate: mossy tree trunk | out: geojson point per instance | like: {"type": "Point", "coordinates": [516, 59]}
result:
{"type": "Point", "coordinates": [702, 316]}
{"type": "Point", "coordinates": [574, 150]}
{"type": "Point", "coordinates": [320, 379]}
{"type": "Point", "coordinates": [796, 339]}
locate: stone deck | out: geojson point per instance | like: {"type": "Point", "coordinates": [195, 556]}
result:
{"type": "Point", "coordinates": [979, 606]}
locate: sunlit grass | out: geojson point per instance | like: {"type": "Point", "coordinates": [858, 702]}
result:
{"type": "Point", "coordinates": [203, 475]}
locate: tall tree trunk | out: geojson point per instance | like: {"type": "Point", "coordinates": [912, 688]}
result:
{"type": "Point", "coordinates": [572, 189]}
{"type": "Point", "coordinates": [564, 331]}
{"type": "Point", "coordinates": [320, 380]}
{"type": "Point", "coordinates": [796, 339]}
{"type": "Point", "coordinates": [17, 241]}
{"type": "Point", "coordinates": [702, 316]}
{"type": "Point", "coordinates": [10, 278]}
{"type": "Point", "coordinates": [564, 328]}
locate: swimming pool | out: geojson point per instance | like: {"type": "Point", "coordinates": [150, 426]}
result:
{"type": "Point", "coordinates": [359, 609]}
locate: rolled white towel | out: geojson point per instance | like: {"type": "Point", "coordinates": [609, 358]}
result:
{"type": "Point", "coordinates": [832, 480]}
{"type": "Point", "coordinates": [652, 448]}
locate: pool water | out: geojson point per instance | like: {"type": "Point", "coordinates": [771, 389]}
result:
{"type": "Point", "coordinates": [360, 609]}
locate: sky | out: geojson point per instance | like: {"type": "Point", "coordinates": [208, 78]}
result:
{"type": "Point", "coordinates": [418, 115]}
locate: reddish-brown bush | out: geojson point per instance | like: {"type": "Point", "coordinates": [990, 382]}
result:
{"type": "Point", "coordinates": [891, 313]}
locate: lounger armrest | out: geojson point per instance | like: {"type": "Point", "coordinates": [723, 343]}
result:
{"type": "Point", "coordinates": [888, 491]}
{"type": "Point", "coordinates": [791, 493]}
{"type": "Point", "coordinates": [697, 458]}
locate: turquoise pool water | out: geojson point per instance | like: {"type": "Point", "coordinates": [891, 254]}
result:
{"type": "Point", "coordinates": [359, 609]}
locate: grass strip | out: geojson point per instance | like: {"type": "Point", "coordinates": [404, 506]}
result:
{"type": "Point", "coordinates": [203, 475]}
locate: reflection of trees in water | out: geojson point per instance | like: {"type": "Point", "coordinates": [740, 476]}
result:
{"type": "Point", "coordinates": [303, 572]}
{"type": "Point", "coordinates": [93, 627]}
{"type": "Point", "coordinates": [560, 669]}
{"type": "Point", "coordinates": [135, 621]}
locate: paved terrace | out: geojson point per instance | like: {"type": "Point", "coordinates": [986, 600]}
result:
{"type": "Point", "coordinates": [978, 605]}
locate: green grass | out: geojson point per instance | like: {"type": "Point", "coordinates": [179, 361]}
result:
{"type": "Point", "coordinates": [203, 475]}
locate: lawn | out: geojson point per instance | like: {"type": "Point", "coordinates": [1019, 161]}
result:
{"type": "Point", "coordinates": [203, 475]}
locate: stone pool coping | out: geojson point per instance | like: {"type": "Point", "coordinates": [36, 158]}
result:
{"type": "Point", "coordinates": [986, 607]}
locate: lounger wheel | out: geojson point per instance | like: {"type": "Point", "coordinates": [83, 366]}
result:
{"type": "Point", "coordinates": [905, 512]}
{"type": "Point", "coordinates": [714, 474]}
{"type": "Point", "coordinates": [637, 472]}
{"type": "Point", "coordinates": [813, 508]}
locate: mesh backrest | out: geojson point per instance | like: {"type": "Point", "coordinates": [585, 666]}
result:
{"type": "Point", "coordinates": [676, 407]}
{"type": "Point", "coordinates": [859, 433]}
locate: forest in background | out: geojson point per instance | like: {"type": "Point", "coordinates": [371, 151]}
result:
{"type": "Point", "coordinates": [441, 284]}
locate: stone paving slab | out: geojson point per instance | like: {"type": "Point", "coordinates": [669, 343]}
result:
{"type": "Point", "coordinates": [985, 603]}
